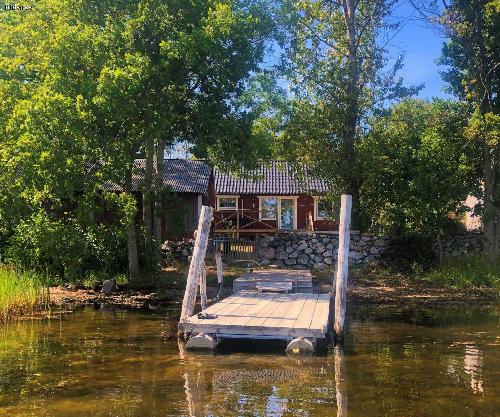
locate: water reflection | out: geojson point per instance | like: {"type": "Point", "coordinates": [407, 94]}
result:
{"type": "Point", "coordinates": [340, 381]}
{"type": "Point", "coordinates": [473, 366]}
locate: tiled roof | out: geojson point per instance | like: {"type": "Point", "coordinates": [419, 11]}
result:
{"type": "Point", "coordinates": [182, 175]}
{"type": "Point", "coordinates": [274, 178]}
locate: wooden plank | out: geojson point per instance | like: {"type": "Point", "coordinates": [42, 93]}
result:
{"type": "Point", "coordinates": [256, 321]}
{"type": "Point", "coordinates": [306, 315]}
{"type": "Point", "coordinates": [277, 315]}
{"type": "Point", "coordinates": [199, 251]}
{"type": "Point", "coordinates": [293, 314]}
{"type": "Point", "coordinates": [342, 264]}
{"type": "Point", "coordinates": [266, 315]}
{"type": "Point", "coordinates": [274, 286]}
{"type": "Point", "coordinates": [320, 317]}
{"type": "Point", "coordinates": [245, 312]}
{"type": "Point", "coordinates": [225, 309]}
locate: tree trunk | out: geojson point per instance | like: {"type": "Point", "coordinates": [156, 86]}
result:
{"type": "Point", "coordinates": [491, 217]}
{"type": "Point", "coordinates": [158, 212]}
{"type": "Point", "coordinates": [147, 196]}
{"type": "Point", "coordinates": [352, 116]}
{"type": "Point", "coordinates": [133, 259]}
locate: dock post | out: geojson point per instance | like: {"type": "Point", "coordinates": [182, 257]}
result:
{"type": "Point", "coordinates": [203, 287]}
{"type": "Point", "coordinates": [342, 265]}
{"type": "Point", "coordinates": [197, 262]}
{"type": "Point", "coordinates": [220, 275]}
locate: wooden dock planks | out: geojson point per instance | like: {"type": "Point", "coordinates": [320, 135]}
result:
{"type": "Point", "coordinates": [270, 315]}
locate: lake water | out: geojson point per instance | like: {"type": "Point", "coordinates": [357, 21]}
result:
{"type": "Point", "coordinates": [439, 362]}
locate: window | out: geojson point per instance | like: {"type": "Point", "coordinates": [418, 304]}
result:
{"type": "Point", "coordinates": [268, 208]}
{"type": "Point", "coordinates": [322, 208]}
{"type": "Point", "coordinates": [227, 203]}
{"type": "Point", "coordinates": [281, 209]}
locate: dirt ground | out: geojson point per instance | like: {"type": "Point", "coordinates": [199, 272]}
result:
{"type": "Point", "coordinates": [360, 291]}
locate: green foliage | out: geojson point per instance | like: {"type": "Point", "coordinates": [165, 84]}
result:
{"type": "Point", "coordinates": [339, 75]}
{"type": "Point", "coordinates": [467, 272]}
{"type": "Point", "coordinates": [84, 83]}
{"type": "Point", "coordinates": [417, 168]}
{"type": "Point", "coordinates": [66, 248]}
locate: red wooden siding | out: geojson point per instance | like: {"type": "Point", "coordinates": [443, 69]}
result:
{"type": "Point", "coordinates": [248, 206]}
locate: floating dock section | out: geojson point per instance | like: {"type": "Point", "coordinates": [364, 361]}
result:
{"type": "Point", "coordinates": [280, 280]}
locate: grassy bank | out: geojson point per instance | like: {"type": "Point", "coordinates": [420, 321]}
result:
{"type": "Point", "coordinates": [459, 273]}
{"type": "Point", "coordinates": [21, 294]}
{"type": "Point", "coordinates": [466, 272]}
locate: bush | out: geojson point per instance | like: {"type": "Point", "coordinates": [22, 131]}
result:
{"type": "Point", "coordinates": [473, 271]}
{"type": "Point", "coordinates": [65, 248]}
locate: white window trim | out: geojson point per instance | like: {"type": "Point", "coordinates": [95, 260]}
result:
{"type": "Point", "coordinates": [295, 198]}
{"type": "Point", "coordinates": [316, 214]}
{"type": "Point", "coordinates": [278, 209]}
{"type": "Point", "coordinates": [219, 208]}
{"type": "Point", "coordinates": [260, 207]}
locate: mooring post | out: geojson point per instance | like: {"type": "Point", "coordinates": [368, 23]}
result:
{"type": "Point", "coordinates": [197, 263]}
{"type": "Point", "coordinates": [342, 264]}
{"type": "Point", "coordinates": [220, 275]}
{"type": "Point", "coordinates": [203, 288]}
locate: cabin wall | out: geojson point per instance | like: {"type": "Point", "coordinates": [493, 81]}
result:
{"type": "Point", "coordinates": [180, 218]}
{"type": "Point", "coordinates": [248, 205]}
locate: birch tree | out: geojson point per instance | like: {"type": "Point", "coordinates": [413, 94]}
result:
{"type": "Point", "coordinates": [339, 73]}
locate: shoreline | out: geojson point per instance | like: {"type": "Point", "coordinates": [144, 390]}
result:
{"type": "Point", "coordinates": [408, 297]}
{"type": "Point", "coordinates": [376, 294]}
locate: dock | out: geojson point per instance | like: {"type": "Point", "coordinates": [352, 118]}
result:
{"type": "Point", "coordinates": [265, 315]}
{"type": "Point", "coordinates": [266, 303]}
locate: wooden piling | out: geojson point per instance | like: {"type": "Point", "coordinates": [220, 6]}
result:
{"type": "Point", "coordinates": [220, 275]}
{"type": "Point", "coordinates": [203, 288]}
{"type": "Point", "coordinates": [197, 263]}
{"type": "Point", "coordinates": [342, 264]}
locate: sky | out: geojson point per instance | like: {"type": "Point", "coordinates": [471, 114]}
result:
{"type": "Point", "coordinates": [421, 45]}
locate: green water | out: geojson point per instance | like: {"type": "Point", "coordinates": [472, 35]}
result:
{"type": "Point", "coordinates": [441, 362]}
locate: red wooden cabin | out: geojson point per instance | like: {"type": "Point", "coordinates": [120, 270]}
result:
{"type": "Point", "coordinates": [271, 199]}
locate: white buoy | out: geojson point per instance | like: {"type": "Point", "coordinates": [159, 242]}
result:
{"type": "Point", "coordinates": [300, 346]}
{"type": "Point", "coordinates": [201, 341]}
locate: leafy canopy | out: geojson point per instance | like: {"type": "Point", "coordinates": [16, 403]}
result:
{"type": "Point", "coordinates": [418, 167]}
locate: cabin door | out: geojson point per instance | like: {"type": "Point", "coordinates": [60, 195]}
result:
{"type": "Point", "coordinates": [287, 213]}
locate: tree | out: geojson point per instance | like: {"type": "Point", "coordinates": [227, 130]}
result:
{"type": "Point", "coordinates": [418, 167]}
{"type": "Point", "coordinates": [97, 83]}
{"type": "Point", "coordinates": [336, 62]}
{"type": "Point", "coordinates": [472, 28]}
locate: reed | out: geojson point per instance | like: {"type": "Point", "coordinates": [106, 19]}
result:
{"type": "Point", "coordinates": [21, 293]}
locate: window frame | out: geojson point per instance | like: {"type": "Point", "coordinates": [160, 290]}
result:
{"type": "Point", "coordinates": [235, 197]}
{"type": "Point", "coordinates": [277, 219]}
{"type": "Point", "coordinates": [260, 207]}
{"type": "Point", "coordinates": [316, 207]}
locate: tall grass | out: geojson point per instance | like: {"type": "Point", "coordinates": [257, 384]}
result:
{"type": "Point", "coordinates": [467, 272]}
{"type": "Point", "coordinates": [21, 293]}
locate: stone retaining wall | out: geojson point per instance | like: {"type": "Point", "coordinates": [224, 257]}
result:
{"type": "Point", "coordinates": [461, 244]}
{"type": "Point", "coordinates": [319, 250]}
